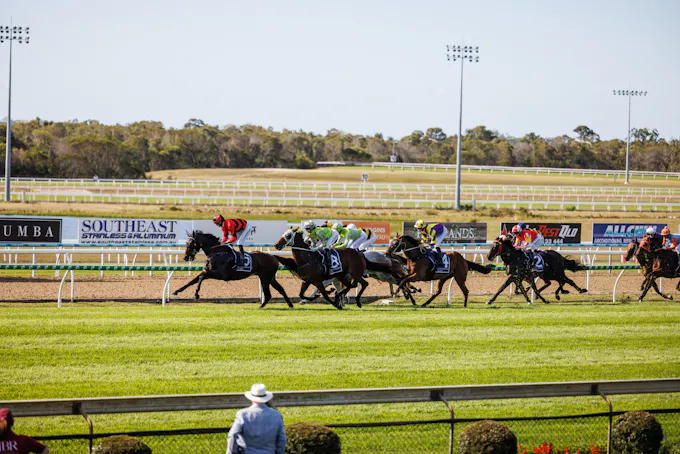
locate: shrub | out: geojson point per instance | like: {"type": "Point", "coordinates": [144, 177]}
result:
{"type": "Point", "coordinates": [487, 437]}
{"type": "Point", "coordinates": [121, 444]}
{"type": "Point", "coordinates": [311, 438]}
{"type": "Point", "coordinates": [636, 432]}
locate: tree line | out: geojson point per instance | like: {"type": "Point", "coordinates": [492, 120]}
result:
{"type": "Point", "coordinates": [79, 149]}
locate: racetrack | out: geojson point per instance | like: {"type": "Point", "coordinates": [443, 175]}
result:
{"type": "Point", "coordinates": [113, 287]}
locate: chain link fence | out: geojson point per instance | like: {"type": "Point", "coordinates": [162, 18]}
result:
{"type": "Point", "coordinates": [432, 436]}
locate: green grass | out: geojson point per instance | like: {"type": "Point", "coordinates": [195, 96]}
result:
{"type": "Point", "coordinates": [87, 350]}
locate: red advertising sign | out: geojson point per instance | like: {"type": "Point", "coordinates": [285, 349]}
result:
{"type": "Point", "coordinates": [380, 229]}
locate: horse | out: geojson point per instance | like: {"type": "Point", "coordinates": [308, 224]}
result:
{"type": "Point", "coordinates": [308, 265]}
{"type": "Point", "coordinates": [519, 268]}
{"type": "Point", "coordinates": [396, 274]}
{"type": "Point", "coordinates": [420, 267]}
{"type": "Point", "coordinates": [220, 261]}
{"type": "Point", "coordinates": [654, 264]}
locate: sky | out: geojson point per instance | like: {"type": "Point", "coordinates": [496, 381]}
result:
{"type": "Point", "coordinates": [361, 66]}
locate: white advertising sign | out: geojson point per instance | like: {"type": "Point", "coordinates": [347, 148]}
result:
{"type": "Point", "coordinates": [132, 231]}
{"type": "Point", "coordinates": [261, 232]}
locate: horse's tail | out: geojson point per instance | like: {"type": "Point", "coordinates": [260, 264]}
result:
{"type": "Point", "coordinates": [573, 265]}
{"type": "Point", "coordinates": [401, 258]}
{"type": "Point", "coordinates": [290, 264]}
{"type": "Point", "coordinates": [479, 268]}
{"type": "Point", "coordinates": [381, 267]}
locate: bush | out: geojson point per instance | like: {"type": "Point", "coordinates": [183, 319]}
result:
{"type": "Point", "coordinates": [311, 438]}
{"type": "Point", "coordinates": [121, 444]}
{"type": "Point", "coordinates": [636, 432]}
{"type": "Point", "coordinates": [487, 437]}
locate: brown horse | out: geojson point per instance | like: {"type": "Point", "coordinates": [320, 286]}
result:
{"type": "Point", "coordinates": [420, 267]}
{"type": "Point", "coordinates": [220, 261]}
{"type": "Point", "coordinates": [654, 264]}
{"type": "Point", "coordinates": [307, 263]}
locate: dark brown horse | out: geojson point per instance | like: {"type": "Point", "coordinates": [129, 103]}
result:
{"type": "Point", "coordinates": [519, 268]}
{"type": "Point", "coordinates": [654, 264]}
{"type": "Point", "coordinates": [308, 264]}
{"type": "Point", "coordinates": [420, 267]}
{"type": "Point", "coordinates": [220, 265]}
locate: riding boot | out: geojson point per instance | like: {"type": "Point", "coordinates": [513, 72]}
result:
{"type": "Point", "coordinates": [438, 257]}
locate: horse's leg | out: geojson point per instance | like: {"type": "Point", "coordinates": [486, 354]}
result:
{"type": "Point", "coordinates": [524, 292]}
{"type": "Point", "coordinates": [405, 283]}
{"type": "Point", "coordinates": [265, 292]}
{"type": "Point", "coordinates": [201, 277]}
{"type": "Point", "coordinates": [507, 282]}
{"type": "Point", "coordinates": [656, 288]}
{"type": "Point", "coordinates": [279, 288]}
{"type": "Point", "coordinates": [362, 282]}
{"type": "Point", "coordinates": [324, 293]}
{"type": "Point", "coordinates": [678, 286]}
{"type": "Point", "coordinates": [648, 285]}
{"type": "Point", "coordinates": [440, 285]}
{"type": "Point", "coordinates": [538, 294]}
{"type": "Point", "coordinates": [460, 280]}
{"type": "Point", "coordinates": [303, 288]}
{"type": "Point", "coordinates": [191, 282]}
{"type": "Point", "coordinates": [573, 284]}
{"type": "Point", "coordinates": [346, 287]}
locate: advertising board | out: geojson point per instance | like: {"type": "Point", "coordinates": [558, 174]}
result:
{"type": "Point", "coordinates": [30, 230]}
{"type": "Point", "coordinates": [459, 232]}
{"type": "Point", "coordinates": [620, 234]}
{"type": "Point", "coordinates": [554, 233]}
{"type": "Point", "coordinates": [132, 231]}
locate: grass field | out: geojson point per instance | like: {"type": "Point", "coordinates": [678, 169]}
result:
{"type": "Point", "coordinates": [353, 174]}
{"type": "Point", "coordinates": [115, 350]}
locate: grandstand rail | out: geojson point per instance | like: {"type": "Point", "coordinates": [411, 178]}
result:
{"type": "Point", "coordinates": [223, 401]}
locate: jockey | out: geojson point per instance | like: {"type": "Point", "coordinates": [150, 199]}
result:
{"type": "Point", "coordinates": [671, 242]}
{"type": "Point", "coordinates": [348, 238]}
{"type": "Point", "coordinates": [656, 241]}
{"type": "Point", "coordinates": [230, 227]}
{"type": "Point", "coordinates": [433, 235]}
{"type": "Point", "coordinates": [370, 239]}
{"type": "Point", "coordinates": [321, 237]}
{"type": "Point", "coordinates": [529, 240]}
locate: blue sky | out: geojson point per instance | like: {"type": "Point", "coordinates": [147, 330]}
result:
{"type": "Point", "coordinates": [359, 66]}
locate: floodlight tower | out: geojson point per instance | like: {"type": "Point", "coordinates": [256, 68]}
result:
{"type": "Point", "coordinates": [21, 35]}
{"type": "Point", "coordinates": [630, 94]}
{"type": "Point", "coordinates": [462, 53]}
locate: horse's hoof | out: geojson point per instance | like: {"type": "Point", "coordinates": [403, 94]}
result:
{"type": "Point", "coordinates": [489, 302]}
{"type": "Point", "coordinates": [304, 301]}
{"type": "Point", "coordinates": [262, 305]}
{"type": "Point", "coordinates": [668, 297]}
{"type": "Point", "coordinates": [565, 292]}
{"type": "Point", "coordinates": [175, 293]}
{"type": "Point", "coordinates": [583, 290]}
{"type": "Point", "coordinates": [639, 300]}
{"type": "Point", "coordinates": [196, 297]}
{"type": "Point", "coordinates": [557, 297]}
{"type": "Point", "coordinates": [358, 304]}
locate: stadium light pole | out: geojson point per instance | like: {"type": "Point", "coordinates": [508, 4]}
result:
{"type": "Point", "coordinates": [462, 53]}
{"type": "Point", "coordinates": [21, 35]}
{"type": "Point", "coordinates": [630, 94]}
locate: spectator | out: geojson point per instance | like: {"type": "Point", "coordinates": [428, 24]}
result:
{"type": "Point", "coordinates": [11, 443]}
{"type": "Point", "coordinates": [257, 429]}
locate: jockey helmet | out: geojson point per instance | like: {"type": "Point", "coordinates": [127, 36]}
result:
{"type": "Point", "coordinates": [665, 231]}
{"type": "Point", "coordinates": [329, 224]}
{"type": "Point", "coordinates": [351, 226]}
{"type": "Point", "coordinates": [517, 229]}
{"type": "Point", "coordinates": [309, 226]}
{"type": "Point", "coordinates": [336, 226]}
{"type": "Point", "coordinates": [522, 225]}
{"type": "Point", "coordinates": [420, 224]}
{"type": "Point", "coordinates": [650, 231]}
{"type": "Point", "coordinates": [218, 220]}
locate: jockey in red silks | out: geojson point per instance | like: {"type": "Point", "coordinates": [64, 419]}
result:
{"type": "Point", "coordinates": [529, 240]}
{"type": "Point", "coordinates": [230, 229]}
{"type": "Point", "coordinates": [671, 242]}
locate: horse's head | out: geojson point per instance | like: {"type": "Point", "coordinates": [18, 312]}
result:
{"type": "Point", "coordinates": [645, 244]}
{"type": "Point", "coordinates": [632, 250]}
{"type": "Point", "coordinates": [192, 248]}
{"type": "Point", "coordinates": [291, 237]}
{"type": "Point", "coordinates": [498, 245]}
{"type": "Point", "coordinates": [396, 245]}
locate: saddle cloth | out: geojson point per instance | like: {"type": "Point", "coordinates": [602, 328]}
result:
{"type": "Point", "coordinates": [445, 266]}
{"type": "Point", "coordinates": [247, 266]}
{"type": "Point", "coordinates": [335, 266]}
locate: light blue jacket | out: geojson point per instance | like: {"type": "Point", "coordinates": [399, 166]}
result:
{"type": "Point", "coordinates": [257, 429]}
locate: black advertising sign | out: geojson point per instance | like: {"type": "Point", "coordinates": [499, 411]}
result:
{"type": "Point", "coordinates": [17, 230]}
{"type": "Point", "coordinates": [553, 232]}
{"type": "Point", "coordinates": [459, 232]}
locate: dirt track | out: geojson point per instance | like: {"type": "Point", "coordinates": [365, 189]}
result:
{"type": "Point", "coordinates": [146, 288]}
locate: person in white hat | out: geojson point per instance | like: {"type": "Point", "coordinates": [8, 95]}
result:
{"type": "Point", "coordinates": [257, 429]}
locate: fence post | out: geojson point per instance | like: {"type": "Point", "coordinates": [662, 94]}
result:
{"type": "Point", "coordinates": [611, 417]}
{"type": "Point", "coordinates": [440, 396]}
{"type": "Point", "coordinates": [78, 409]}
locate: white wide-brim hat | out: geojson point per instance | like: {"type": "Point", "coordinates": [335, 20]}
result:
{"type": "Point", "coordinates": [258, 394]}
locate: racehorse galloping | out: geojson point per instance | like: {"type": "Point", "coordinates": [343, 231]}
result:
{"type": "Point", "coordinates": [654, 264]}
{"type": "Point", "coordinates": [420, 267]}
{"type": "Point", "coordinates": [220, 261]}
{"type": "Point", "coordinates": [308, 265]}
{"type": "Point", "coordinates": [519, 268]}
